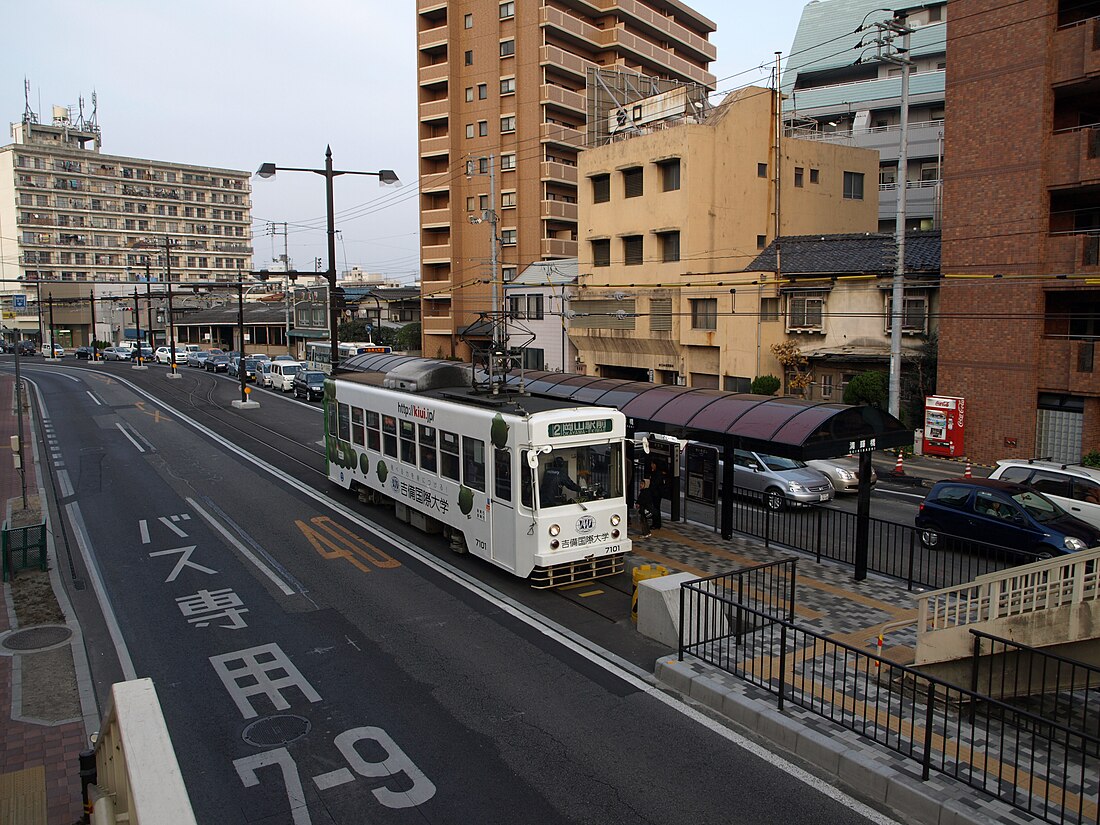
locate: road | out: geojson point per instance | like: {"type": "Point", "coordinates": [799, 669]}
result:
{"type": "Point", "coordinates": [316, 667]}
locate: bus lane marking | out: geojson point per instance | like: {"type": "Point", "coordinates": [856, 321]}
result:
{"type": "Point", "coordinates": [333, 541]}
{"type": "Point", "coordinates": [284, 588]}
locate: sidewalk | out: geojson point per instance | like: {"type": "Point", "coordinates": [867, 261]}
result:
{"type": "Point", "coordinates": [43, 728]}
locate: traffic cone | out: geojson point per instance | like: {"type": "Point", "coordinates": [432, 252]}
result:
{"type": "Point", "coordinates": [967, 473]}
{"type": "Point", "coordinates": [899, 469]}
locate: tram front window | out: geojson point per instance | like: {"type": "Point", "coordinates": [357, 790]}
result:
{"type": "Point", "coordinates": [571, 474]}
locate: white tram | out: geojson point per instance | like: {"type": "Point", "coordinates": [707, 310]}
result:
{"type": "Point", "coordinates": [532, 484]}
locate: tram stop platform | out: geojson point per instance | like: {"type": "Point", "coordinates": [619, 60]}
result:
{"type": "Point", "coordinates": [829, 601]}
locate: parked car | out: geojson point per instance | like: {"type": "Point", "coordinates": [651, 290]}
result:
{"type": "Point", "coordinates": [248, 366]}
{"type": "Point", "coordinates": [57, 350]}
{"type": "Point", "coordinates": [146, 353]}
{"type": "Point", "coordinates": [282, 374]}
{"type": "Point", "coordinates": [779, 481]}
{"type": "Point", "coordinates": [1003, 514]}
{"type": "Point", "coordinates": [1074, 487]}
{"type": "Point", "coordinates": [163, 355]}
{"type": "Point", "coordinates": [284, 358]}
{"type": "Point", "coordinates": [83, 353]}
{"type": "Point", "coordinates": [309, 384]}
{"type": "Point", "coordinates": [25, 348]}
{"type": "Point", "coordinates": [843, 473]}
{"type": "Point", "coordinates": [217, 363]}
{"type": "Point", "coordinates": [117, 354]}
{"type": "Point", "coordinates": [198, 358]}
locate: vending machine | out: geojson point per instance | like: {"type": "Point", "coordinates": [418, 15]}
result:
{"type": "Point", "coordinates": [944, 425]}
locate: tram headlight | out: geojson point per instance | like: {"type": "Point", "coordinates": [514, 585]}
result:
{"type": "Point", "coordinates": [554, 544]}
{"type": "Point", "coordinates": [554, 529]}
{"type": "Point", "coordinates": [614, 534]}
{"type": "Point", "coordinates": [615, 519]}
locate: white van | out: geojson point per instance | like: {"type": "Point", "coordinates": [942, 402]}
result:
{"type": "Point", "coordinates": [282, 374]}
{"type": "Point", "coordinates": [1075, 487]}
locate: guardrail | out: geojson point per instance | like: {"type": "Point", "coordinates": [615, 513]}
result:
{"type": "Point", "coordinates": [1037, 765]}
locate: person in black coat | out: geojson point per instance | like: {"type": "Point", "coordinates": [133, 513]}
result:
{"type": "Point", "coordinates": [656, 488]}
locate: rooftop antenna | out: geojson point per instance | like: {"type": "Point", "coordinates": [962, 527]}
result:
{"type": "Point", "coordinates": [28, 113]}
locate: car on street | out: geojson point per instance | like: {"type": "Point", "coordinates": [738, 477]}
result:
{"type": "Point", "coordinates": [58, 351]}
{"type": "Point", "coordinates": [25, 348]}
{"type": "Point", "coordinates": [1002, 514]}
{"type": "Point", "coordinates": [117, 354]}
{"type": "Point", "coordinates": [248, 366]}
{"type": "Point", "coordinates": [843, 473]}
{"type": "Point", "coordinates": [83, 353]}
{"type": "Point", "coordinates": [263, 374]}
{"type": "Point", "coordinates": [198, 358]}
{"type": "Point", "coordinates": [779, 481]}
{"type": "Point", "coordinates": [217, 363]}
{"type": "Point", "coordinates": [163, 355]}
{"type": "Point", "coordinates": [1074, 487]}
{"type": "Point", "coordinates": [309, 384]}
{"type": "Point", "coordinates": [284, 358]}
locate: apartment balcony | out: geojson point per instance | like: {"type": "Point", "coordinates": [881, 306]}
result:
{"type": "Point", "coordinates": [436, 254]}
{"type": "Point", "coordinates": [1070, 365]}
{"type": "Point", "coordinates": [1076, 52]}
{"type": "Point", "coordinates": [558, 172]}
{"type": "Point", "coordinates": [883, 91]}
{"type": "Point", "coordinates": [564, 98]}
{"type": "Point", "coordinates": [438, 182]}
{"type": "Point", "coordinates": [432, 38]}
{"type": "Point", "coordinates": [435, 217]}
{"type": "Point", "coordinates": [559, 210]}
{"type": "Point", "coordinates": [920, 199]}
{"type": "Point", "coordinates": [434, 74]}
{"type": "Point", "coordinates": [570, 26]}
{"type": "Point", "coordinates": [435, 146]}
{"type": "Point", "coordinates": [435, 109]}
{"type": "Point", "coordinates": [429, 6]}
{"type": "Point", "coordinates": [557, 248]}
{"type": "Point", "coordinates": [553, 56]}
{"type": "Point", "coordinates": [667, 29]}
{"type": "Point", "coordinates": [1074, 157]}
{"type": "Point", "coordinates": [646, 52]}
{"type": "Point", "coordinates": [437, 324]}
{"type": "Point", "coordinates": [36, 220]}
{"type": "Point", "coordinates": [565, 135]}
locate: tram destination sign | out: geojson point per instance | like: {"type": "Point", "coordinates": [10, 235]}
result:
{"type": "Point", "coordinates": [567, 429]}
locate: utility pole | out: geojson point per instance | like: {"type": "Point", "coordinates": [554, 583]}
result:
{"type": "Point", "coordinates": [496, 315]}
{"type": "Point", "coordinates": [149, 302]}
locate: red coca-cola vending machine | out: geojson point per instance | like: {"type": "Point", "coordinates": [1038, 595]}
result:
{"type": "Point", "coordinates": [944, 425]}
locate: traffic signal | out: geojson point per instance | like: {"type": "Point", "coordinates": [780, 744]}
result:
{"type": "Point", "coordinates": [339, 300]}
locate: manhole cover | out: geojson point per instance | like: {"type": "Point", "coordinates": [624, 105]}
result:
{"type": "Point", "coordinates": [34, 638]}
{"type": "Point", "coordinates": [276, 730]}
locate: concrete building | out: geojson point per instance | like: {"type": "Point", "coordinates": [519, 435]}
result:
{"type": "Point", "coordinates": [836, 91]}
{"type": "Point", "coordinates": [503, 110]}
{"type": "Point", "coordinates": [538, 301]}
{"type": "Point", "coordinates": [1022, 227]}
{"type": "Point", "coordinates": [672, 217]}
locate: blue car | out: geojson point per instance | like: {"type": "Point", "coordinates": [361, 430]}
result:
{"type": "Point", "coordinates": [1001, 514]}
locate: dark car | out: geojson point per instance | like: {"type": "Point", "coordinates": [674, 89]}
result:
{"type": "Point", "coordinates": [309, 384]}
{"type": "Point", "coordinates": [84, 353]}
{"type": "Point", "coordinates": [217, 363]}
{"type": "Point", "coordinates": [25, 348]}
{"type": "Point", "coordinates": [1002, 514]}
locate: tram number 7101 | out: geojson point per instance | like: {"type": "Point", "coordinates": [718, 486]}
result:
{"type": "Point", "coordinates": [396, 762]}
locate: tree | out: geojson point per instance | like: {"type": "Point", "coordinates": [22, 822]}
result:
{"type": "Point", "coordinates": [408, 337]}
{"type": "Point", "coordinates": [794, 366]}
{"type": "Point", "coordinates": [918, 380]}
{"type": "Point", "coordinates": [871, 388]}
{"type": "Point", "coordinates": [765, 385]}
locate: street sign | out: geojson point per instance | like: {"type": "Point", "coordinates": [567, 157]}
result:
{"type": "Point", "coordinates": [18, 301]}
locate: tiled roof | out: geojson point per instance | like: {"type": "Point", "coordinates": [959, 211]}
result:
{"type": "Point", "coordinates": [870, 253]}
{"type": "Point", "coordinates": [254, 313]}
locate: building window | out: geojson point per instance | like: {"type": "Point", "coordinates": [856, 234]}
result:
{"type": "Point", "coordinates": [798, 177]}
{"type": "Point", "coordinates": [508, 124]}
{"type": "Point", "coordinates": [769, 309]}
{"type": "Point", "coordinates": [482, 91]}
{"type": "Point", "coordinates": [508, 161]}
{"type": "Point", "coordinates": [526, 307]}
{"type": "Point", "coordinates": [507, 199]}
{"type": "Point", "coordinates": [805, 312]}
{"type": "Point", "coordinates": [670, 246]}
{"type": "Point", "coordinates": [704, 313]}
{"type": "Point", "coordinates": [632, 182]}
{"type": "Point", "coordinates": [534, 358]}
{"type": "Point", "coordinates": [469, 94]}
{"type": "Point", "coordinates": [632, 250]}
{"type": "Point", "coordinates": [468, 21]}
{"type": "Point", "coordinates": [507, 10]}
{"type": "Point", "coordinates": [483, 202]}
{"type": "Point", "coordinates": [469, 130]}
{"type": "Point", "coordinates": [483, 128]}
{"type": "Point", "coordinates": [670, 174]}
{"type": "Point", "coordinates": [507, 48]}
{"type": "Point", "coordinates": [914, 317]}
{"type": "Point", "coordinates": [853, 186]}
{"type": "Point", "coordinates": [761, 241]}
{"type": "Point", "coordinates": [601, 252]}
{"type": "Point", "coordinates": [469, 57]}
{"type": "Point", "coordinates": [508, 86]}
{"type": "Point", "coordinates": [826, 386]}
{"type": "Point", "coordinates": [601, 188]}
{"type": "Point", "coordinates": [761, 170]}
{"type": "Point", "coordinates": [815, 175]}
{"type": "Point", "coordinates": [508, 237]}
{"type": "Point", "coordinates": [507, 273]}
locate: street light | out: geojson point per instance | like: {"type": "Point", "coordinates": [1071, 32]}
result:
{"type": "Point", "coordinates": [385, 176]}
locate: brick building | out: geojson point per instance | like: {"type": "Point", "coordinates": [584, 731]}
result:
{"type": "Point", "coordinates": [1021, 231]}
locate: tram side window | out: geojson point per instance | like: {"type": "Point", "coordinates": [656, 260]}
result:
{"type": "Point", "coordinates": [448, 455]}
{"type": "Point", "coordinates": [331, 409]}
{"type": "Point", "coordinates": [408, 442]}
{"type": "Point", "coordinates": [389, 435]}
{"type": "Point", "coordinates": [502, 473]}
{"type": "Point", "coordinates": [344, 423]}
{"type": "Point", "coordinates": [373, 438]}
{"type": "Point", "coordinates": [427, 449]}
{"type": "Point", "coordinates": [473, 463]}
{"type": "Point", "coordinates": [357, 433]}
{"type": "Point", "coordinates": [525, 486]}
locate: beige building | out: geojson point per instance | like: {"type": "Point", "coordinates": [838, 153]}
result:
{"type": "Point", "coordinates": [503, 111]}
{"type": "Point", "coordinates": [670, 219]}
{"type": "Point", "coordinates": [68, 212]}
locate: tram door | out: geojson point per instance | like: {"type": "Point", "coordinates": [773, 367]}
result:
{"type": "Point", "coordinates": [502, 514]}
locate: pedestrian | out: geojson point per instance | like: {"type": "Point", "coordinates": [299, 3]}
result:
{"type": "Point", "coordinates": [644, 506]}
{"type": "Point", "coordinates": [656, 487]}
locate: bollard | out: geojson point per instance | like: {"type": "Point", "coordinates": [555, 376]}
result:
{"type": "Point", "coordinates": [968, 472]}
{"type": "Point", "coordinates": [641, 572]}
{"type": "Point", "coordinates": [87, 777]}
{"type": "Point", "coordinates": [899, 467]}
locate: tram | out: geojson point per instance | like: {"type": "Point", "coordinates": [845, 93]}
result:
{"type": "Point", "coordinates": [532, 484]}
{"type": "Point", "coordinates": [319, 353]}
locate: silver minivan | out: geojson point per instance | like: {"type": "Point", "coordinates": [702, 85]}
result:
{"type": "Point", "coordinates": [282, 374]}
{"type": "Point", "coordinates": [779, 481]}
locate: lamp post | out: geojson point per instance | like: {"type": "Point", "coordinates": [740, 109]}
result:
{"type": "Point", "coordinates": [385, 176]}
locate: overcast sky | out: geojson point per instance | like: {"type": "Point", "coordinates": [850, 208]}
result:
{"type": "Point", "coordinates": [236, 83]}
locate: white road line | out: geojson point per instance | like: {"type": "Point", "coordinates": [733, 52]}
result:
{"type": "Point", "coordinates": [64, 483]}
{"type": "Point", "coordinates": [96, 400]}
{"type": "Point", "coordinates": [167, 522]}
{"type": "Point", "coordinates": [899, 493]}
{"type": "Point", "coordinates": [81, 535]}
{"type": "Point", "coordinates": [143, 529]}
{"type": "Point", "coordinates": [600, 657]}
{"type": "Point", "coordinates": [122, 430]}
{"type": "Point", "coordinates": [244, 551]}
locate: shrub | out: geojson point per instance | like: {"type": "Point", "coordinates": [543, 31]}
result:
{"type": "Point", "coordinates": [764, 385]}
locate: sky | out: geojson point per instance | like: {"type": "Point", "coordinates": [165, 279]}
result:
{"type": "Point", "coordinates": [237, 83]}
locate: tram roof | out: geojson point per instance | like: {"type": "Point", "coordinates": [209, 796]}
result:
{"type": "Point", "coordinates": [790, 427]}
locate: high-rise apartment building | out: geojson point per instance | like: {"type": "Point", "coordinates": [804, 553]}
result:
{"type": "Point", "coordinates": [837, 91]}
{"type": "Point", "coordinates": [1022, 227]}
{"type": "Point", "coordinates": [68, 212]}
{"type": "Point", "coordinates": [502, 114]}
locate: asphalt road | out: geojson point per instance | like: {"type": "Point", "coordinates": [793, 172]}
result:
{"type": "Point", "coordinates": [315, 667]}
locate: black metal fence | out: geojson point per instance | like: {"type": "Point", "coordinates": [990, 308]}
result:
{"type": "Point", "coordinates": [22, 548]}
{"type": "Point", "coordinates": [893, 549]}
{"type": "Point", "coordinates": [1036, 764]}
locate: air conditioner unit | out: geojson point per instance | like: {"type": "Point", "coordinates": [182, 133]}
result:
{"type": "Point", "coordinates": [206, 336]}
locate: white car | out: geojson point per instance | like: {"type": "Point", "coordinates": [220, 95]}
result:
{"type": "Point", "coordinates": [163, 355]}
{"type": "Point", "coordinates": [1074, 487]}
